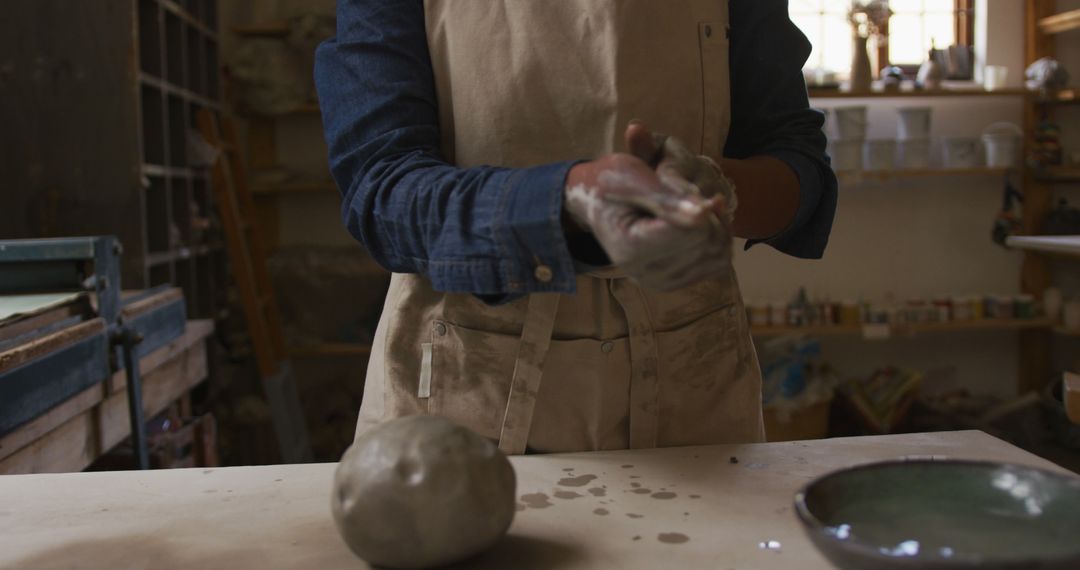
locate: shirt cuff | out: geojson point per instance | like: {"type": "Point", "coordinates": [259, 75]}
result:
{"type": "Point", "coordinates": [528, 232]}
{"type": "Point", "coordinates": [797, 238]}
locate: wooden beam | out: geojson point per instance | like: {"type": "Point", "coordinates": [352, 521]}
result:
{"type": "Point", "coordinates": [1059, 23]}
{"type": "Point", "coordinates": [1036, 43]}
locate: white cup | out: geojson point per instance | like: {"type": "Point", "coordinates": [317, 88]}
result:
{"type": "Point", "coordinates": [880, 154]}
{"type": "Point", "coordinates": [961, 152]}
{"type": "Point", "coordinates": [847, 155]}
{"type": "Point", "coordinates": [995, 77]}
{"type": "Point", "coordinates": [914, 123]}
{"type": "Point", "coordinates": [915, 154]}
{"type": "Point", "coordinates": [851, 122]}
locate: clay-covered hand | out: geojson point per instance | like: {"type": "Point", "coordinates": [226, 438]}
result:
{"type": "Point", "coordinates": [681, 168]}
{"type": "Point", "coordinates": [663, 234]}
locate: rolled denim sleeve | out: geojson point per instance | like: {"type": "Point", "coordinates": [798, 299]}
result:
{"type": "Point", "coordinates": [482, 230]}
{"type": "Point", "coordinates": [771, 116]}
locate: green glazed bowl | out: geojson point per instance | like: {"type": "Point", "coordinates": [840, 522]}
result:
{"type": "Point", "coordinates": [944, 514]}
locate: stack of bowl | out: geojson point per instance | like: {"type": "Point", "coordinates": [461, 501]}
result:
{"type": "Point", "coordinates": [847, 149]}
{"type": "Point", "coordinates": [914, 134]}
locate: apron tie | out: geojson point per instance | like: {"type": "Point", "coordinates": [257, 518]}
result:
{"type": "Point", "coordinates": [528, 370]}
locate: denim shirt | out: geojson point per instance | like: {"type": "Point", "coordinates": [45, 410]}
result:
{"type": "Point", "coordinates": [485, 230]}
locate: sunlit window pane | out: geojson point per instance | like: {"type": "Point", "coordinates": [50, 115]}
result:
{"type": "Point", "coordinates": [900, 6]}
{"type": "Point", "coordinates": [837, 45]}
{"type": "Point", "coordinates": [911, 28]}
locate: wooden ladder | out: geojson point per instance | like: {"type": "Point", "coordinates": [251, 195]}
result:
{"type": "Point", "coordinates": [247, 253]}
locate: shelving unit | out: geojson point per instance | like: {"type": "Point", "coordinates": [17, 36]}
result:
{"type": "Point", "coordinates": [1036, 358]}
{"type": "Point", "coordinates": [817, 93]}
{"type": "Point", "coordinates": [885, 175]}
{"type": "Point", "coordinates": [1060, 23]}
{"type": "Point", "coordinates": [884, 331]}
{"type": "Point", "coordinates": [106, 149]}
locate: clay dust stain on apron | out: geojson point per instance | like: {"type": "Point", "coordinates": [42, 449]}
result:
{"type": "Point", "coordinates": [579, 481]}
{"type": "Point", "coordinates": [536, 501]}
{"type": "Point", "coordinates": [672, 538]}
{"type": "Point", "coordinates": [597, 492]}
{"type": "Point", "coordinates": [664, 495]}
{"type": "Point", "coordinates": [567, 495]}
{"type": "Point", "coordinates": [601, 512]}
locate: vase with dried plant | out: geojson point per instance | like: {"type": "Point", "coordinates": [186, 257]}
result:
{"type": "Point", "coordinates": [868, 19]}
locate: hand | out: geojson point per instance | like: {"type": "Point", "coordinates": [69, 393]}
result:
{"type": "Point", "coordinates": [677, 166]}
{"type": "Point", "coordinates": [664, 234]}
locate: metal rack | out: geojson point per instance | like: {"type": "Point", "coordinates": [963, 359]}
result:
{"type": "Point", "coordinates": [102, 144]}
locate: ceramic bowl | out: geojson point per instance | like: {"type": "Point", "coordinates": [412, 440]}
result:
{"type": "Point", "coordinates": [944, 515]}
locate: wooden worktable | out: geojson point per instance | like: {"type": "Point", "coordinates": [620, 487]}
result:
{"type": "Point", "coordinates": [72, 435]}
{"type": "Point", "coordinates": [279, 516]}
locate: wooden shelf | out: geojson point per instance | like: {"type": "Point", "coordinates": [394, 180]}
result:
{"type": "Point", "coordinates": [965, 92]}
{"type": "Point", "coordinates": [157, 82]}
{"type": "Point", "coordinates": [330, 349]}
{"type": "Point", "coordinates": [1061, 245]}
{"type": "Point", "coordinates": [271, 29]}
{"type": "Point", "coordinates": [186, 16]}
{"type": "Point", "coordinates": [857, 175]}
{"type": "Point", "coordinates": [1059, 23]}
{"type": "Point", "coordinates": [1054, 174]}
{"type": "Point", "coordinates": [305, 109]}
{"type": "Point", "coordinates": [872, 331]}
{"type": "Point", "coordinates": [174, 171]}
{"type": "Point", "coordinates": [1067, 96]}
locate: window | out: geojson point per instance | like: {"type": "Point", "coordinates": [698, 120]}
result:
{"type": "Point", "coordinates": [911, 29]}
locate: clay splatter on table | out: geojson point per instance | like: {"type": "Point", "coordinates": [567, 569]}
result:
{"type": "Point", "coordinates": [635, 476]}
{"type": "Point", "coordinates": [733, 460]}
{"type": "Point", "coordinates": [637, 537]}
{"type": "Point", "coordinates": [568, 469]}
{"type": "Point", "coordinates": [597, 492]}
{"type": "Point", "coordinates": [672, 538]}
{"type": "Point", "coordinates": [635, 515]}
{"type": "Point", "coordinates": [635, 485]}
{"type": "Point", "coordinates": [536, 501]}
{"type": "Point", "coordinates": [601, 512]}
{"type": "Point", "coordinates": [567, 495]}
{"type": "Point", "coordinates": [642, 491]}
{"type": "Point", "coordinates": [627, 466]}
{"type": "Point", "coordinates": [520, 507]}
{"type": "Point", "coordinates": [695, 496]}
{"type": "Point", "coordinates": [664, 496]}
{"type": "Point", "coordinates": [757, 466]}
{"type": "Point", "coordinates": [579, 481]}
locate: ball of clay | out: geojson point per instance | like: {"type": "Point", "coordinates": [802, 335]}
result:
{"type": "Point", "coordinates": [420, 492]}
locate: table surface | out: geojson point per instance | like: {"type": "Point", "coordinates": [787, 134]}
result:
{"type": "Point", "coordinates": [679, 507]}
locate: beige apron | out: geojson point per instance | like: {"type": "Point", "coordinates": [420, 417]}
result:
{"type": "Point", "coordinates": [527, 82]}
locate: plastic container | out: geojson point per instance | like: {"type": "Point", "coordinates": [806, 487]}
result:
{"type": "Point", "coordinates": [914, 123]}
{"type": "Point", "coordinates": [915, 154]}
{"type": "Point", "coordinates": [847, 154]}
{"type": "Point", "coordinates": [961, 152]}
{"type": "Point", "coordinates": [879, 154]}
{"type": "Point", "coordinates": [1003, 144]}
{"type": "Point", "coordinates": [851, 122]}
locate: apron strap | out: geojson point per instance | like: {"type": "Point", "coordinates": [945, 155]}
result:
{"type": "Point", "coordinates": [644, 365]}
{"type": "Point", "coordinates": [528, 369]}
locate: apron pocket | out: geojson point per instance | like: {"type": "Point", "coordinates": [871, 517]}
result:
{"type": "Point", "coordinates": [716, 87]}
{"type": "Point", "coordinates": [708, 391]}
{"type": "Point", "coordinates": [471, 373]}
